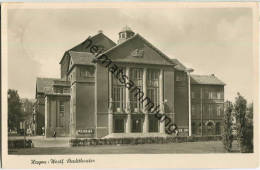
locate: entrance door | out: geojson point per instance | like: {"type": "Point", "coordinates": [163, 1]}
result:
{"type": "Point", "coordinates": [153, 124]}
{"type": "Point", "coordinates": [137, 125]}
{"type": "Point", "coordinates": [119, 125]}
{"type": "Point", "coordinates": [218, 131]}
{"type": "Point", "coordinates": [210, 129]}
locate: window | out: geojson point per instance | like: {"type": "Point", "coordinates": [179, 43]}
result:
{"type": "Point", "coordinates": [214, 95]}
{"type": "Point", "coordinates": [83, 72]}
{"type": "Point", "coordinates": [193, 128]}
{"type": "Point", "coordinates": [87, 72]}
{"type": "Point", "coordinates": [219, 109]}
{"type": "Point", "coordinates": [66, 90]}
{"type": "Point", "coordinates": [62, 90]}
{"type": "Point", "coordinates": [193, 109]}
{"type": "Point", "coordinates": [210, 95]}
{"type": "Point", "coordinates": [153, 86]}
{"type": "Point", "coordinates": [61, 115]}
{"type": "Point", "coordinates": [136, 75]}
{"type": "Point", "coordinates": [218, 128]}
{"type": "Point", "coordinates": [180, 77]}
{"type": "Point", "coordinates": [193, 95]}
{"type": "Point", "coordinates": [118, 94]}
{"type": "Point", "coordinates": [59, 90]}
{"type": "Point", "coordinates": [219, 95]}
{"type": "Point", "coordinates": [206, 93]}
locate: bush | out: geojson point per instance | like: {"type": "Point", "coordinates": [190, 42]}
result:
{"type": "Point", "coordinates": [227, 135]}
{"type": "Point", "coordinates": [20, 143]}
{"type": "Point", "coordinates": [146, 140]}
{"type": "Point", "coordinates": [244, 125]}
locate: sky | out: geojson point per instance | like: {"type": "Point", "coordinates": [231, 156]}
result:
{"type": "Point", "coordinates": [209, 40]}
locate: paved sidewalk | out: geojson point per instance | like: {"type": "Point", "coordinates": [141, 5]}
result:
{"type": "Point", "coordinates": [42, 142]}
{"type": "Point", "coordinates": [186, 147]}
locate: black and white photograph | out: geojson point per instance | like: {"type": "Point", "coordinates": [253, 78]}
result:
{"type": "Point", "coordinates": [129, 79]}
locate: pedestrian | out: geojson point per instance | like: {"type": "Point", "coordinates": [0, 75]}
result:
{"type": "Point", "coordinates": [43, 131]}
{"type": "Point", "coordinates": [54, 134]}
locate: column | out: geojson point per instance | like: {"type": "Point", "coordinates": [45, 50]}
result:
{"type": "Point", "coordinates": [47, 115]}
{"type": "Point", "coordinates": [127, 109]}
{"type": "Point", "coordinates": [110, 123]}
{"type": "Point", "coordinates": [146, 118]}
{"type": "Point", "coordinates": [72, 113]}
{"type": "Point", "coordinates": [189, 98]}
{"type": "Point", "coordinates": [110, 109]}
{"type": "Point", "coordinates": [161, 101]}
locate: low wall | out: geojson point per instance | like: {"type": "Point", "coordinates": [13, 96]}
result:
{"type": "Point", "coordinates": [145, 140]}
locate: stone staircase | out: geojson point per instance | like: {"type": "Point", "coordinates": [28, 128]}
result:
{"type": "Point", "coordinates": [135, 135]}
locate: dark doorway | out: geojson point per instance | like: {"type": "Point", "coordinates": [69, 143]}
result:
{"type": "Point", "coordinates": [136, 125]}
{"type": "Point", "coordinates": [218, 131]}
{"type": "Point", "coordinates": [119, 125]}
{"type": "Point", "coordinates": [153, 124]}
{"type": "Point", "coordinates": [210, 128]}
{"type": "Point", "coordinates": [193, 128]}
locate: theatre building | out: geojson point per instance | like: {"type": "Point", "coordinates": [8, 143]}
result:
{"type": "Point", "coordinates": [89, 100]}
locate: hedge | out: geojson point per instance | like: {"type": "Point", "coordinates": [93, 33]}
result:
{"type": "Point", "coordinates": [20, 143]}
{"type": "Point", "coordinates": [145, 140]}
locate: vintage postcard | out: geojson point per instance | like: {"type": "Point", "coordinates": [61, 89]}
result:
{"type": "Point", "coordinates": [130, 85]}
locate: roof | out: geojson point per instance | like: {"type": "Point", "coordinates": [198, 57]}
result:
{"type": "Point", "coordinates": [98, 39]}
{"type": "Point", "coordinates": [179, 66]}
{"type": "Point", "coordinates": [206, 79]}
{"type": "Point", "coordinates": [45, 85]}
{"type": "Point", "coordinates": [83, 58]}
{"type": "Point", "coordinates": [133, 43]}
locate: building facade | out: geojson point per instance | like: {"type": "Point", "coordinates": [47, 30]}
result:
{"type": "Point", "coordinates": [96, 99]}
{"type": "Point", "coordinates": [207, 104]}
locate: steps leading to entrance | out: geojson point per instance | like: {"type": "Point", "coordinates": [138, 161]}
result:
{"type": "Point", "coordinates": [135, 135]}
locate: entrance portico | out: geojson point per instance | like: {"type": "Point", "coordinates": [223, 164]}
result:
{"type": "Point", "coordinates": [125, 116]}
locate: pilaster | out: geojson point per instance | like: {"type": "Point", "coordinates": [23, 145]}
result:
{"type": "Point", "coordinates": [161, 101]}
{"type": "Point", "coordinates": [146, 119]}
{"type": "Point", "coordinates": [128, 109]}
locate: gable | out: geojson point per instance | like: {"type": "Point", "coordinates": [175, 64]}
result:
{"type": "Point", "coordinates": [99, 39]}
{"type": "Point", "coordinates": [138, 50]}
{"type": "Point", "coordinates": [80, 58]}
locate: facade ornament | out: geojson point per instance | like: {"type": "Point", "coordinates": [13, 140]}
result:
{"type": "Point", "coordinates": [209, 122]}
